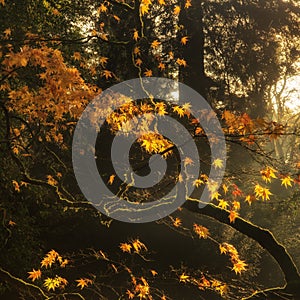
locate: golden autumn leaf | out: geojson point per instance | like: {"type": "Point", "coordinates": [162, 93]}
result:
{"type": "Point", "coordinates": [135, 35]}
{"type": "Point", "coordinates": [35, 274]}
{"type": "Point", "coordinates": [261, 192]}
{"type": "Point", "coordinates": [138, 245]}
{"type": "Point", "coordinates": [184, 278]}
{"type": "Point", "coordinates": [176, 10]}
{"type": "Point", "coordinates": [107, 74]}
{"type": "Point", "coordinates": [239, 266]}
{"type": "Point", "coordinates": [138, 62]}
{"type": "Point", "coordinates": [218, 163]}
{"type": "Point", "coordinates": [77, 56]}
{"type": "Point", "coordinates": [125, 247]}
{"type": "Point", "coordinates": [83, 282]}
{"type": "Point", "coordinates": [12, 223]}
{"type": "Point", "coordinates": [144, 8]}
{"type": "Point", "coordinates": [7, 32]}
{"type": "Point", "coordinates": [153, 272]}
{"type": "Point", "coordinates": [187, 4]}
{"type": "Point", "coordinates": [130, 294]}
{"type": "Point", "coordinates": [117, 18]}
{"type": "Point", "coordinates": [103, 60]}
{"type": "Point", "coordinates": [148, 73]}
{"type": "Point", "coordinates": [181, 62]}
{"type": "Point", "coordinates": [201, 231]}
{"type": "Point", "coordinates": [268, 173]}
{"type": "Point", "coordinates": [161, 2]}
{"type": "Point", "coordinates": [286, 181]}
{"type": "Point", "coordinates": [111, 179]}
{"type": "Point", "coordinates": [2, 2]}
{"type": "Point", "coordinates": [223, 204]}
{"type": "Point", "coordinates": [155, 44]}
{"type": "Point", "coordinates": [184, 40]}
{"type": "Point", "coordinates": [177, 222]}
{"type": "Point", "coordinates": [51, 283]}
{"type": "Point", "coordinates": [161, 66]}
{"type": "Point", "coordinates": [232, 216]}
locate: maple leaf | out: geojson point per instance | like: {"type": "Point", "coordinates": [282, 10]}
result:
{"type": "Point", "coordinates": [77, 56]}
{"type": "Point", "coordinates": [130, 294]}
{"type": "Point", "coordinates": [117, 18]}
{"type": "Point", "coordinates": [267, 174]}
{"type": "Point", "coordinates": [225, 188]}
{"type": "Point", "coordinates": [148, 73]}
{"type": "Point", "coordinates": [155, 44]}
{"type": "Point", "coordinates": [236, 205]}
{"type": "Point", "coordinates": [286, 181]}
{"type": "Point", "coordinates": [51, 283]}
{"type": "Point", "coordinates": [135, 35]}
{"type": "Point", "coordinates": [218, 163]}
{"type": "Point", "coordinates": [184, 40]}
{"type": "Point", "coordinates": [179, 110]}
{"type": "Point", "coordinates": [183, 278]}
{"type": "Point", "coordinates": [153, 272]}
{"type": "Point", "coordinates": [103, 60]}
{"type": "Point", "coordinates": [198, 182]}
{"type": "Point", "coordinates": [11, 223]}
{"type": "Point", "coordinates": [16, 186]}
{"type": "Point", "coordinates": [125, 247]}
{"type": "Point", "coordinates": [111, 179]}
{"type": "Point", "coordinates": [176, 10]}
{"type": "Point", "coordinates": [249, 199]}
{"type": "Point", "coordinates": [177, 222]}
{"type": "Point", "coordinates": [102, 8]}
{"type": "Point", "coordinates": [83, 282]}
{"type": "Point", "coordinates": [7, 33]}
{"type": "Point", "coordinates": [187, 4]}
{"type": "Point", "coordinates": [161, 2]}
{"type": "Point", "coordinates": [35, 274]}
{"type": "Point", "coordinates": [2, 2]}
{"type": "Point", "coordinates": [107, 74]}
{"type": "Point", "coordinates": [181, 62]}
{"type": "Point", "coordinates": [144, 8]}
{"type": "Point", "coordinates": [51, 180]}
{"type": "Point", "coordinates": [239, 266]}
{"type": "Point", "coordinates": [232, 216]}
{"type": "Point", "coordinates": [201, 231]}
{"type": "Point", "coordinates": [161, 66]}
{"type": "Point", "coordinates": [223, 204]}
{"type": "Point", "coordinates": [138, 61]}
{"type": "Point", "coordinates": [262, 192]}
{"type": "Point", "coordinates": [136, 51]}
{"type": "Point", "coordinates": [138, 245]}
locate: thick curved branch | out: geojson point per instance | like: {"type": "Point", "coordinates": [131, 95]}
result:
{"type": "Point", "coordinates": [263, 236]}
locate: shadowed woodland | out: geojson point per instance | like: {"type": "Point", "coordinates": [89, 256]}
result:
{"type": "Point", "coordinates": [243, 57]}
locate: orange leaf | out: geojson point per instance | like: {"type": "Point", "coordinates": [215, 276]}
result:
{"type": "Point", "coordinates": [35, 274]}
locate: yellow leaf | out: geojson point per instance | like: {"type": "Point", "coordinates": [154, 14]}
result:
{"type": "Point", "coordinates": [2, 2]}
{"type": "Point", "coordinates": [232, 216]}
{"type": "Point", "coordinates": [135, 35]}
{"type": "Point", "coordinates": [183, 278]}
{"type": "Point", "coordinates": [177, 222]}
{"type": "Point", "coordinates": [16, 186]}
{"type": "Point", "coordinates": [153, 272]}
{"type": "Point", "coordinates": [161, 2]}
{"type": "Point", "coordinates": [102, 8]}
{"type": "Point", "coordinates": [267, 174]}
{"type": "Point", "coordinates": [83, 282]}
{"type": "Point", "coordinates": [218, 163]}
{"type": "Point", "coordinates": [77, 56]}
{"type": "Point", "coordinates": [201, 231]}
{"type": "Point", "coordinates": [239, 266]}
{"type": "Point", "coordinates": [187, 4]}
{"type": "Point", "coordinates": [51, 283]}
{"type": "Point", "coordinates": [177, 10]}
{"type": "Point", "coordinates": [155, 44]}
{"type": "Point", "coordinates": [111, 179]}
{"type": "Point", "coordinates": [144, 8]}
{"type": "Point", "coordinates": [181, 62]}
{"type": "Point", "coordinates": [184, 40]}
{"type": "Point", "coordinates": [223, 204]}
{"type": "Point", "coordinates": [117, 18]}
{"type": "Point", "coordinates": [7, 32]}
{"type": "Point", "coordinates": [103, 60]}
{"type": "Point", "coordinates": [262, 192]}
{"type": "Point", "coordinates": [161, 66]}
{"type": "Point", "coordinates": [148, 73]}
{"type": "Point", "coordinates": [107, 74]}
{"type": "Point", "coordinates": [125, 247]}
{"type": "Point", "coordinates": [236, 205]}
{"type": "Point", "coordinates": [286, 181]}
{"type": "Point", "coordinates": [35, 274]}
